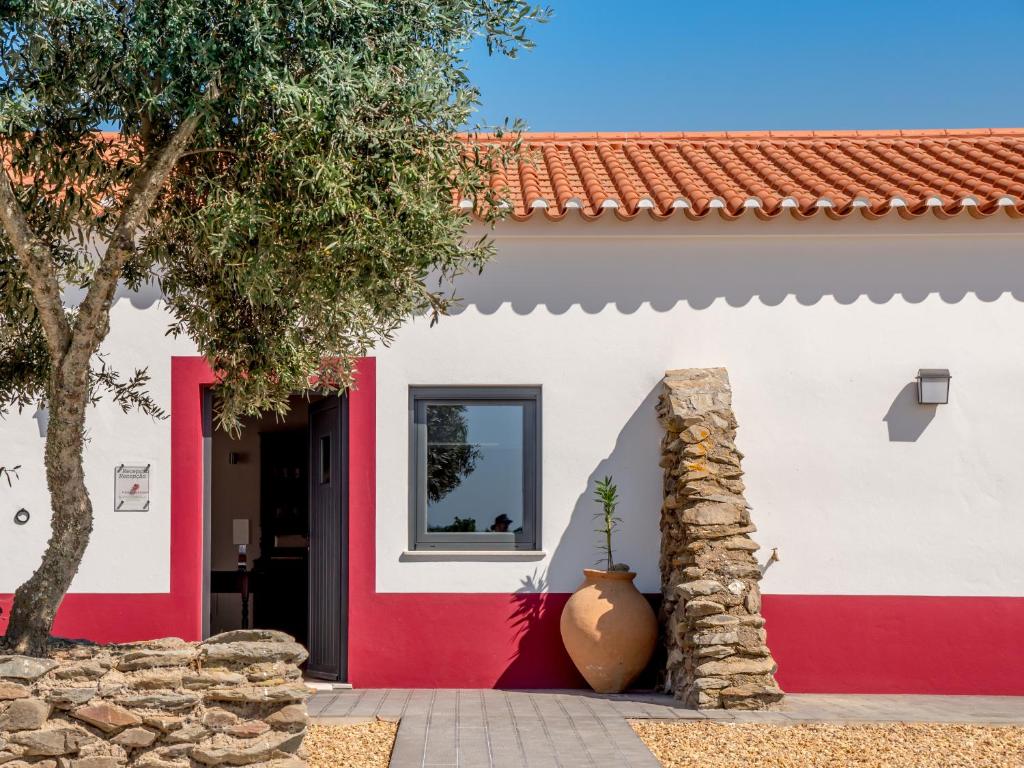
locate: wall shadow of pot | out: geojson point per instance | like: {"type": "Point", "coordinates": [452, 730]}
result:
{"type": "Point", "coordinates": [539, 659]}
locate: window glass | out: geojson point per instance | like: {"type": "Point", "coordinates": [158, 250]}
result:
{"type": "Point", "coordinates": [474, 472]}
{"type": "Point", "coordinates": [474, 468]}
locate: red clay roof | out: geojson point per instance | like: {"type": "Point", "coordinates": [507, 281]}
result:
{"type": "Point", "coordinates": [767, 174]}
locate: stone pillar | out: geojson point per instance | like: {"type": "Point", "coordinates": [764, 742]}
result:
{"type": "Point", "coordinates": [711, 612]}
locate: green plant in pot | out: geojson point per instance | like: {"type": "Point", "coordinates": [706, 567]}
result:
{"type": "Point", "coordinates": [608, 627]}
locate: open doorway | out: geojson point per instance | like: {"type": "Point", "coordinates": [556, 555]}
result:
{"type": "Point", "coordinates": [277, 542]}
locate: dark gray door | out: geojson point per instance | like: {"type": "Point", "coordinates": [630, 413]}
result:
{"type": "Point", "coordinates": [328, 540]}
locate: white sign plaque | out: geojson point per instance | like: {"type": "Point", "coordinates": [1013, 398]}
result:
{"type": "Point", "coordinates": [131, 488]}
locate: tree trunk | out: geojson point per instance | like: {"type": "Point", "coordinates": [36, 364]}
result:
{"type": "Point", "coordinates": [71, 350]}
{"type": "Point", "coordinates": [36, 601]}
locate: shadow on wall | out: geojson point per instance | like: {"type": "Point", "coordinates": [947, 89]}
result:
{"type": "Point", "coordinates": [906, 418]}
{"type": "Point", "coordinates": [594, 273]}
{"type": "Point", "coordinates": [539, 658]}
{"type": "Point", "coordinates": [147, 295]}
{"type": "Point", "coordinates": [633, 462]}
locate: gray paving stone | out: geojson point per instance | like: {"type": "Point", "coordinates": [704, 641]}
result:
{"type": "Point", "coordinates": [342, 704]}
{"type": "Point", "coordinates": [369, 703]}
{"type": "Point", "coordinates": [630, 708]}
{"type": "Point", "coordinates": [574, 706]}
{"type": "Point", "coordinates": [319, 702]}
{"type": "Point", "coordinates": [410, 742]}
{"type": "Point", "coordinates": [394, 703]}
{"type": "Point", "coordinates": [472, 746]}
{"type": "Point", "coordinates": [420, 702]}
{"type": "Point", "coordinates": [470, 709]}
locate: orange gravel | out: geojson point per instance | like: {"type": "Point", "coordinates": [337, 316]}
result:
{"type": "Point", "coordinates": [364, 745]}
{"type": "Point", "coordinates": [823, 745]}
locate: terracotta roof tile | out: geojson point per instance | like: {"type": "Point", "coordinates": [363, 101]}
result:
{"type": "Point", "coordinates": [769, 173]}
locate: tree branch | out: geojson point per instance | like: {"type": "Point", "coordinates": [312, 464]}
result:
{"type": "Point", "coordinates": [209, 150]}
{"type": "Point", "coordinates": [93, 313]}
{"type": "Point", "coordinates": [35, 260]}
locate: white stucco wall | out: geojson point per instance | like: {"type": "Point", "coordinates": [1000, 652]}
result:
{"type": "Point", "coordinates": [822, 326]}
{"type": "Point", "coordinates": [128, 551]}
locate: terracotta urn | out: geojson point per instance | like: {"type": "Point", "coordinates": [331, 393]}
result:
{"type": "Point", "coordinates": [609, 630]}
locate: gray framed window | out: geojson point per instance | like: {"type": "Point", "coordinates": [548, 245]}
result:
{"type": "Point", "coordinates": [474, 468]}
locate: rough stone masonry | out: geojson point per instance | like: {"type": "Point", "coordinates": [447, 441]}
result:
{"type": "Point", "coordinates": [235, 700]}
{"type": "Point", "coordinates": [711, 611]}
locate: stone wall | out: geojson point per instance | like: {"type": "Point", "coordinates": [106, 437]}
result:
{"type": "Point", "coordinates": [235, 700]}
{"type": "Point", "coordinates": [711, 612]}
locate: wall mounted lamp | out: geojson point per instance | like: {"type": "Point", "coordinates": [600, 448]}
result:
{"type": "Point", "coordinates": [933, 386]}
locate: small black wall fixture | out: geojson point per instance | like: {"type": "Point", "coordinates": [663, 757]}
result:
{"type": "Point", "coordinates": [21, 516]}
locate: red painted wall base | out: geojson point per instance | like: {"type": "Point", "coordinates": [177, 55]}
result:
{"type": "Point", "coordinates": [897, 644]}
{"type": "Point", "coordinates": [113, 618]}
{"type": "Point", "coordinates": [462, 641]}
{"type": "Point", "coordinates": [823, 643]}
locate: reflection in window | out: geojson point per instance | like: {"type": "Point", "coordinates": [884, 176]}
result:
{"type": "Point", "coordinates": [474, 469]}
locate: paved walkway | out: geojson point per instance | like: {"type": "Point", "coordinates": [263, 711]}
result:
{"type": "Point", "coordinates": [574, 729]}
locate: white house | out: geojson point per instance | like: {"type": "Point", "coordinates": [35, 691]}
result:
{"type": "Point", "coordinates": [426, 529]}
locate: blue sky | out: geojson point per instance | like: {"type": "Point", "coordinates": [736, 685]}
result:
{"type": "Point", "coordinates": [748, 65]}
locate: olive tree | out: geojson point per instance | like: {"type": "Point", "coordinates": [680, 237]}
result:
{"type": "Point", "coordinates": [285, 169]}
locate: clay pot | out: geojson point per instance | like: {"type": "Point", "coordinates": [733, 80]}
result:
{"type": "Point", "coordinates": [609, 630]}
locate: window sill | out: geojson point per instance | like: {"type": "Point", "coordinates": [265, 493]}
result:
{"type": "Point", "coordinates": [477, 555]}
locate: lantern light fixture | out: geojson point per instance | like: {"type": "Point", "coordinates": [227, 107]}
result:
{"type": "Point", "coordinates": [933, 386]}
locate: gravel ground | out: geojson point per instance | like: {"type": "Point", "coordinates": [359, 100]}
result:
{"type": "Point", "coordinates": [823, 745]}
{"type": "Point", "coordinates": [365, 745]}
